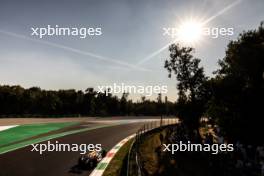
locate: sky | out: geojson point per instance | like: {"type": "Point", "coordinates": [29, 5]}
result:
{"type": "Point", "coordinates": [132, 30]}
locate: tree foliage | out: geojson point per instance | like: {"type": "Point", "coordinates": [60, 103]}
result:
{"type": "Point", "coordinates": [237, 102]}
{"type": "Point", "coordinates": [234, 97]}
{"type": "Point", "coordinates": [191, 80]}
{"type": "Point", "coordinates": [17, 101]}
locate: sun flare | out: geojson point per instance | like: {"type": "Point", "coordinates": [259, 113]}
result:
{"type": "Point", "coordinates": [189, 32]}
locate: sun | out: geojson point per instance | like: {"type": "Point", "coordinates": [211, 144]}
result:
{"type": "Point", "coordinates": [189, 32]}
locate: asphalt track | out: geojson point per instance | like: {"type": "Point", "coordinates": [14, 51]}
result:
{"type": "Point", "coordinates": [23, 162]}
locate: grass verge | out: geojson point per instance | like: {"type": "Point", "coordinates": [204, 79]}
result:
{"type": "Point", "coordinates": [150, 151]}
{"type": "Point", "coordinates": [16, 146]}
{"type": "Point", "coordinates": [26, 131]}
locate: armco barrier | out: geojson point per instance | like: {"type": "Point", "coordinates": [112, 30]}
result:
{"type": "Point", "coordinates": [134, 166]}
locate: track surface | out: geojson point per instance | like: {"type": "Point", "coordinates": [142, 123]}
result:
{"type": "Point", "coordinates": [24, 162]}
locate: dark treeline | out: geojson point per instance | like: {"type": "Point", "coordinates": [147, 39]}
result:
{"type": "Point", "coordinates": [17, 101]}
{"type": "Point", "coordinates": [233, 97]}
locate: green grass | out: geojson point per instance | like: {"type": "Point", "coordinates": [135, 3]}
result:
{"type": "Point", "coordinates": [119, 161]}
{"type": "Point", "coordinates": [23, 132]}
{"type": "Point", "coordinates": [12, 147]}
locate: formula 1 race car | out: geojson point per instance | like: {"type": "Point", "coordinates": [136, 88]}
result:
{"type": "Point", "coordinates": [90, 159]}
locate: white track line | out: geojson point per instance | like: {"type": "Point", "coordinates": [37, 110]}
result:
{"type": "Point", "coordinates": [2, 128]}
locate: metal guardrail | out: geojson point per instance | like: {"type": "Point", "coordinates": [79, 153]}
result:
{"type": "Point", "coordinates": [134, 165]}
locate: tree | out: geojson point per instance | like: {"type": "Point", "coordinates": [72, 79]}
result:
{"type": "Point", "coordinates": [160, 107]}
{"type": "Point", "coordinates": [123, 103]}
{"type": "Point", "coordinates": [17, 101]}
{"type": "Point", "coordinates": [239, 87]}
{"type": "Point", "coordinates": [190, 77]}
